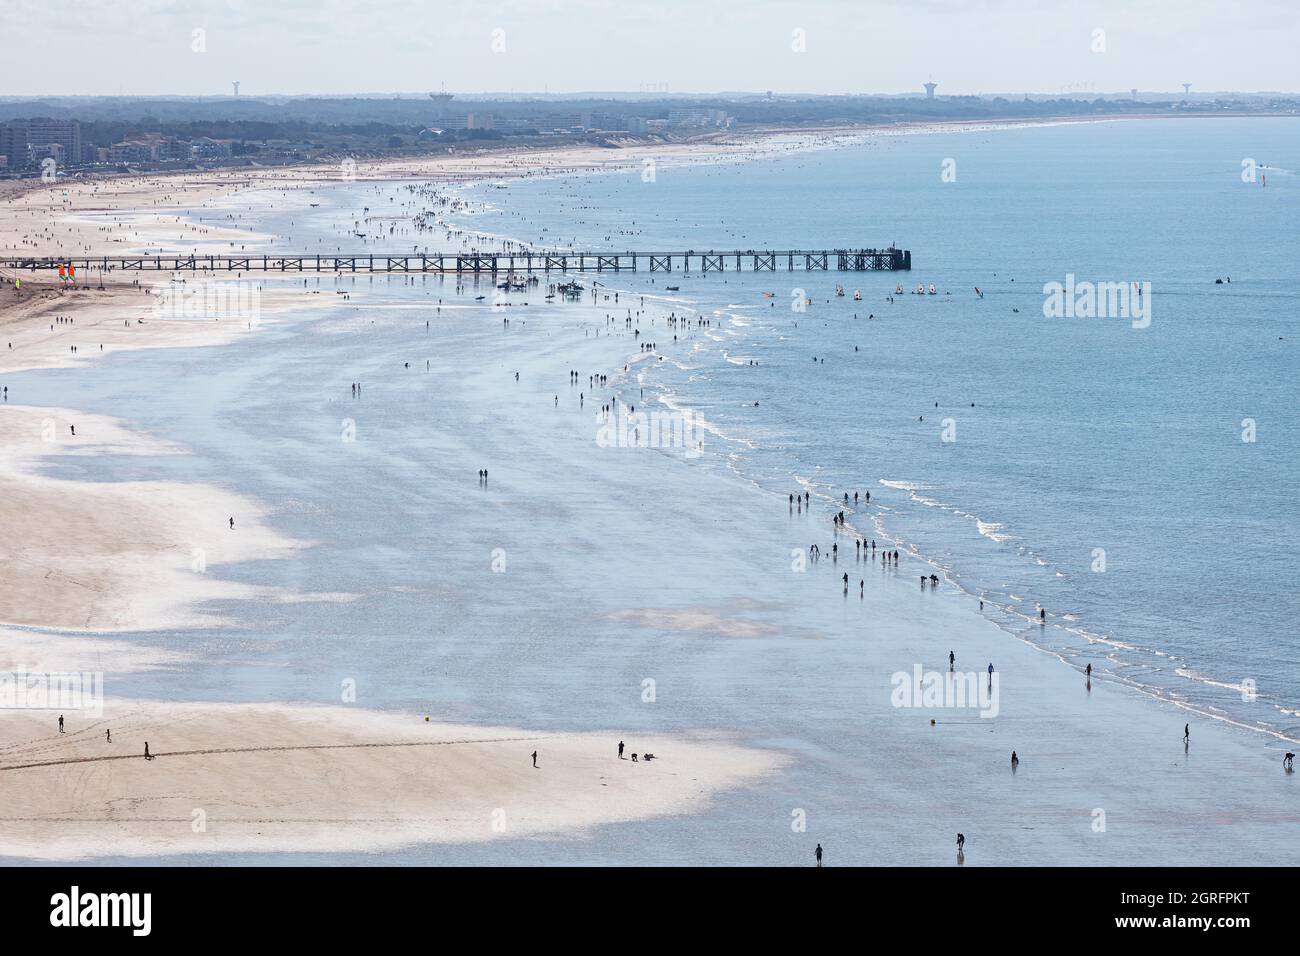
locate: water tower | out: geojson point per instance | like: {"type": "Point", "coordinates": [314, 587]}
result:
{"type": "Point", "coordinates": [440, 101]}
{"type": "Point", "coordinates": [235, 85]}
{"type": "Point", "coordinates": [929, 90]}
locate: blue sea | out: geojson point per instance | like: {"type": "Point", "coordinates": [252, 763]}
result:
{"type": "Point", "coordinates": [1136, 483]}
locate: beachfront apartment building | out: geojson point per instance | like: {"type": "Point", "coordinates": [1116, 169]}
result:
{"type": "Point", "coordinates": [207, 148]}
{"type": "Point", "coordinates": [28, 141]}
{"type": "Point", "coordinates": [702, 118]}
{"type": "Point", "coordinates": [138, 151]}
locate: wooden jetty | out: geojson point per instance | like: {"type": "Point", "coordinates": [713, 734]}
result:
{"type": "Point", "coordinates": [489, 263]}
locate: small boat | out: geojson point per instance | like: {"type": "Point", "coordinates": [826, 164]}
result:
{"type": "Point", "coordinates": [857, 295]}
{"type": "Point", "coordinates": [839, 291]}
{"type": "Point", "coordinates": [673, 288]}
{"type": "Point", "coordinates": [932, 292]}
{"type": "Point", "coordinates": [920, 290]}
{"type": "Point", "coordinates": [479, 298]}
{"type": "Point", "coordinates": [898, 289]}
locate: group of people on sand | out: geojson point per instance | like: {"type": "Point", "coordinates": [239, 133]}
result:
{"type": "Point", "coordinates": [644, 756]}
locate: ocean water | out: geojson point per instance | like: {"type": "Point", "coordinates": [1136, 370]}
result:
{"type": "Point", "coordinates": [629, 564]}
{"type": "Point", "coordinates": [1098, 470]}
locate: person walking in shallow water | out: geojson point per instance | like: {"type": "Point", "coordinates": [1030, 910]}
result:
{"type": "Point", "coordinates": [818, 852]}
{"type": "Point", "coordinates": [1187, 732]}
{"type": "Point", "coordinates": [1288, 762]}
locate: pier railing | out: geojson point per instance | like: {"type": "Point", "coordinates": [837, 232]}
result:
{"type": "Point", "coordinates": [491, 263]}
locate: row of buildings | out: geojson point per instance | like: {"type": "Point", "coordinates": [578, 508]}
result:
{"type": "Point", "coordinates": [587, 122]}
{"type": "Point", "coordinates": [27, 144]}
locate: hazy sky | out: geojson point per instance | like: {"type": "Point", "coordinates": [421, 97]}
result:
{"type": "Point", "coordinates": [110, 47]}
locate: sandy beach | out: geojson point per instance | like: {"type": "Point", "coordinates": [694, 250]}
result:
{"type": "Point", "coordinates": [231, 779]}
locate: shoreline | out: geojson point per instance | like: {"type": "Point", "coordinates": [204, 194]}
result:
{"type": "Point", "coordinates": [182, 189]}
{"type": "Point", "coordinates": [382, 802]}
{"type": "Point", "coordinates": [60, 622]}
{"type": "Point", "coordinates": [382, 833]}
{"type": "Point", "coordinates": [564, 153]}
